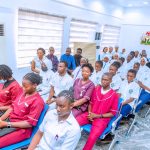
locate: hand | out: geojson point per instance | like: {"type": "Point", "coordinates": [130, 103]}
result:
{"type": "Point", "coordinates": [49, 101]}
{"type": "Point", "coordinates": [140, 83]}
{"type": "Point", "coordinates": [3, 124]}
{"type": "Point", "coordinates": [92, 116]}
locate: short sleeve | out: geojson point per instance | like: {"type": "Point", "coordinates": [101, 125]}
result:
{"type": "Point", "coordinates": [35, 112]}
{"type": "Point", "coordinates": [15, 90]}
{"type": "Point", "coordinates": [114, 107]}
{"type": "Point", "coordinates": [136, 91]}
{"type": "Point", "coordinates": [93, 95]}
{"type": "Point", "coordinates": [89, 91]}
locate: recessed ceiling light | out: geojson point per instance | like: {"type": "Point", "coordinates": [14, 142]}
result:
{"type": "Point", "coordinates": [130, 5]}
{"type": "Point", "coordinates": [145, 2]}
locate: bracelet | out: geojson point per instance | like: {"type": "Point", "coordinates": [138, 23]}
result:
{"type": "Point", "coordinates": [9, 124]}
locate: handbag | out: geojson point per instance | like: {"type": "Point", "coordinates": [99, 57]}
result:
{"type": "Point", "coordinates": [43, 67]}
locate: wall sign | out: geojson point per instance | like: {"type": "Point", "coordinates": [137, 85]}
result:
{"type": "Point", "coordinates": [145, 39]}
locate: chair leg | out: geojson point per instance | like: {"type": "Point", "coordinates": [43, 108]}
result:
{"type": "Point", "coordinates": [114, 141]}
{"type": "Point", "coordinates": [147, 113]}
{"type": "Point", "coordinates": [135, 118]}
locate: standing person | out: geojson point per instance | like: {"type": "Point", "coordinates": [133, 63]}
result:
{"type": "Point", "coordinates": [40, 62]}
{"type": "Point", "coordinates": [106, 64]}
{"type": "Point", "coordinates": [116, 49]}
{"type": "Point", "coordinates": [24, 113]}
{"type": "Point", "coordinates": [97, 74]}
{"type": "Point", "coordinates": [136, 56]}
{"type": "Point", "coordinates": [110, 52]}
{"type": "Point", "coordinates": [61, 81]}
{"type": "Point", "coordinates": [129, 91]}
{"type": "Point", "coordinates": [104, 53]}
{"type": "Point", "coordinates": [77, 73]}
{"type": "Point", "coordinates": [9, 89]}
{"type": "Point", "coordinates": [78, 56]}
{"type": "Point", "coordinates": [123, 53]}
{"type": "Point", "coordinates": [53, 59]}
{"type": "Point", "coordinates": [67, 57]}
{"type": "Point", "coordinates": [103, 106]}
{"type": "Point", "coordinates": [59, 129]}
{"type": "Point", "coordinates": [83, 89]}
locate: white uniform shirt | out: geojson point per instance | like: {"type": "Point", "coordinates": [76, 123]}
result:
{"type": "Point", "coordinates": [38, 62]}
{"type": "Point", "coordinates": [96, 77]}
{"type": "Point", "coordinates": [116, 82]}
{"type": "Point", "coordinates": [77, 73]}
{"type": "Point", "coordinates": [63, 135]}
{"type": "Point", "coordinates": [129, 90]}
{"type": "Point", "coordinates": [44, 87]}
{"type": "Point", "coordinates": [61, 83]}
{"type": "Point", "coordinates": [145, 79]}
{"type": "Point", "coordinates": [106, 67]}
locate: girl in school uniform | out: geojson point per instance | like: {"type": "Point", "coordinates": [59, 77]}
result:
{"type": "Point", "coordinates": [116, 79]}
{"type": "Point", "coordinates": [129, 91]}
{"type": "Point", "coordinates": [83, 89]}
{"type": "Point", "coordinates": [144, 83]}
{"type": "Point", "coordinates": [97, 74]}
{"type": "Point", "coordinates": [24, 114]}
{"type": "Point", "coordinates": [9, 89]}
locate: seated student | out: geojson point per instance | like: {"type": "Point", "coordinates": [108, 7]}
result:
{"type": "Point", "coordinates": [83, 89]}
{"type": "Point", "coordinates": [59, 129]}
{"type": "Point", "coordinates": [102, 108]}
{"type": "Point", "coordinates": [136, 67]}
{"type": "Point", "coordinates": [116, 79]}
{"type": "Point", "coordinates": [77, 73]}
{"type": "Point", "coordinates": [144, 83]}
{"type": "Point", "coordinates": [115, 57]}
{"type": "Point", "coordinates": [143, 62]}
{"type": "Point", "coordinates": [44, 87]}
{"type": "Point", "coordinates": [24, 114]}
{"type": "Point", "coordinates": [97, 74]}
{"type": "Point", "coordinates": [123, 53]}
{"type": "Point", "coordinates": [9, 89]}
{"type": "Point", "coordinates": [40, 61]}
{"type": "Point", "coordinates": [129, 91]}
{"type": "Point", "coordinates": [62, 81]}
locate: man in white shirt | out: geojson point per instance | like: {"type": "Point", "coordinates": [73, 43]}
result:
{"type": "Point", "coordinates": [59, 129]}
{"type": "Point", "coordinates": [62, 81]}
{"type": "Point", "coordinates": [129, 91]}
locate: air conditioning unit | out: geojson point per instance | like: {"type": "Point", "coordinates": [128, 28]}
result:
{"type": "Point", "coordinates": [2, 45]}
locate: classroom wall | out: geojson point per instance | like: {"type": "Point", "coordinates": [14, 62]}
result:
{"type": "Point", "coordinates": [135, 23]}
{"type": "Point", "coordinates": [94, 10]}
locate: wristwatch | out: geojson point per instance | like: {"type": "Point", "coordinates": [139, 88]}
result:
{"type": "Point", "coordinates": [8, 124]}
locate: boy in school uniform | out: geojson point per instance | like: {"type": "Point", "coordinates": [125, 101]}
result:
{"type": "Point", "coordinates": [62, 81]}
{"type": "Point", "coordinates": [129, 91]}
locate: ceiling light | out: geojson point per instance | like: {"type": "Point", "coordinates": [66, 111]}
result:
{"type": "Point", "coordinates": [145, 3]}
{"type": "Point", "coordinates": [130, 5]}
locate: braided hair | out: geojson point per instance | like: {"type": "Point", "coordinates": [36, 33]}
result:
{"type": "Point", "coordinates": [33, 78]}
{"type": "Point", "coordinates": [5, 72]}
{"type": "Point", "coordinates": [68, 94]}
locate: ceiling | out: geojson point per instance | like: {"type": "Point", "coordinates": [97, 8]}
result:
{"type": "Point", "coordinates": [131, 3]}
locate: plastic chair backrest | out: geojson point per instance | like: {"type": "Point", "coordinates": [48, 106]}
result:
{"type": "Point", "coordinates": [35, 129]}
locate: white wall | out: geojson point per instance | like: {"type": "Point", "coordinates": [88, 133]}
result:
{"type": "Point", "coordinates": [96, 11]}
{"type": "Point", "coordinates": [135, 23]}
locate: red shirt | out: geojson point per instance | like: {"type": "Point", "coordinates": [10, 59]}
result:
{"type": "Point", "coordinates": [9, 94]}
{"type": "Point", "coordinates": [27, 109]}
{"type": "Point", "coordinates": [104, 103]}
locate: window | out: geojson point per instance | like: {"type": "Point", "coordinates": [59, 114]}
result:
{"type": "Point", "coordinates": [82, 31]}
{"type": "Point", "coordinates": [110, 36]}
{"type": "Point", "coordinates": [36, 29]}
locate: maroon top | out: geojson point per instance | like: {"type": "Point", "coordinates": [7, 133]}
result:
{"type": "Point", "coordinates": [83, 91]}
